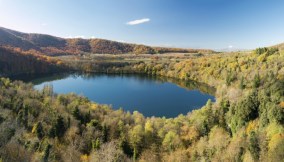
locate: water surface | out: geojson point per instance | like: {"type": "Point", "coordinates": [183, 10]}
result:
{"type": "Point", "coordinates": [152, 96]}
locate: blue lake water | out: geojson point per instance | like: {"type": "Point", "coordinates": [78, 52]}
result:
{"type": "Point", "coordinates": [151, 96]}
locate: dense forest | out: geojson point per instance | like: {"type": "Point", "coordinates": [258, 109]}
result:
{"type": "Point", "coordinates": [244, 124]}
{"type": "Point", "coordinates": [14, 61]}
{"type": "Point", "coordinates": [54, 46]}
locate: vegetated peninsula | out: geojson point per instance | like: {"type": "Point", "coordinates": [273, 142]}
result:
{"type": "Point", "coordinates": [244, 124]}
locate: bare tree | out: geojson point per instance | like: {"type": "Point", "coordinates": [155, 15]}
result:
{"type": "Point", "coordinates": [108, 152]}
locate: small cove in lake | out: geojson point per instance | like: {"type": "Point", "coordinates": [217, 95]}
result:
{"type": "Point", "coordinates": [150, 95]}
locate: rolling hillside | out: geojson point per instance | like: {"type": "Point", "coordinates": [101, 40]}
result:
{"type": "Point", "coordinates": [51, 45]}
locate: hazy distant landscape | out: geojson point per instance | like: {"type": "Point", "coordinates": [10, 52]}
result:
{"type": "Point", "coordinates": [90, 99]}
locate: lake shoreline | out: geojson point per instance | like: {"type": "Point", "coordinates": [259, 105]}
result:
{"type": "Point", "coordinates": [113, 87]}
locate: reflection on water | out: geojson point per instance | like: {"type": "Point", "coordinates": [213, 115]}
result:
{"type": "Point", "coordinates": [150, 95]}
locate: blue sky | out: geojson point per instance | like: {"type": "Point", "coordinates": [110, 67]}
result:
{"type": "Point", "coordinates": [215, 24]}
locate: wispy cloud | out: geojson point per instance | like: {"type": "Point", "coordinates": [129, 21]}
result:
{"type": "Point", "coordinates": [139, 21]}
{"type": "Point", "coordinates": [122, 41]}
{"type": "Point", "coordinates": [78, 36]}
{"type": "Point", "coordinates": [43, 24]}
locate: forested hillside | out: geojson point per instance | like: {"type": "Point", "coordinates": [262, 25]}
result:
{"type": "Point", "coordinates": [14, 61]}
{"type": "Point", "coordinates": [244, 124]}
{"type": "Point", "coordinates": [53, 46]}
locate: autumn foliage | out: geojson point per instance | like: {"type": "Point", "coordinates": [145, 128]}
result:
{"type": "Point", "coordinates": [16, 61]}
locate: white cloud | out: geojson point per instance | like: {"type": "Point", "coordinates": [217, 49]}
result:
{"type": "Point", "coordinates": [122, 41]}
{"type": "Point", "coordinates": [79, 36]}
{"type": "Point", "coordinates": [140, 21]}
{"type": "Point", "coordinates": [230, 46]}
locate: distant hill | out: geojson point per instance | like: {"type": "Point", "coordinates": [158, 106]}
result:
{"type": "Point", "coordinates": [51, 45]}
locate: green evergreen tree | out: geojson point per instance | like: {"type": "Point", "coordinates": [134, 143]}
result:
{"type": "Point", "coordinates": [256, 81]}
{"type": "Point", "coordinates": [242, 84]}
{"type": "Point", "coordinates": [254, 146]}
